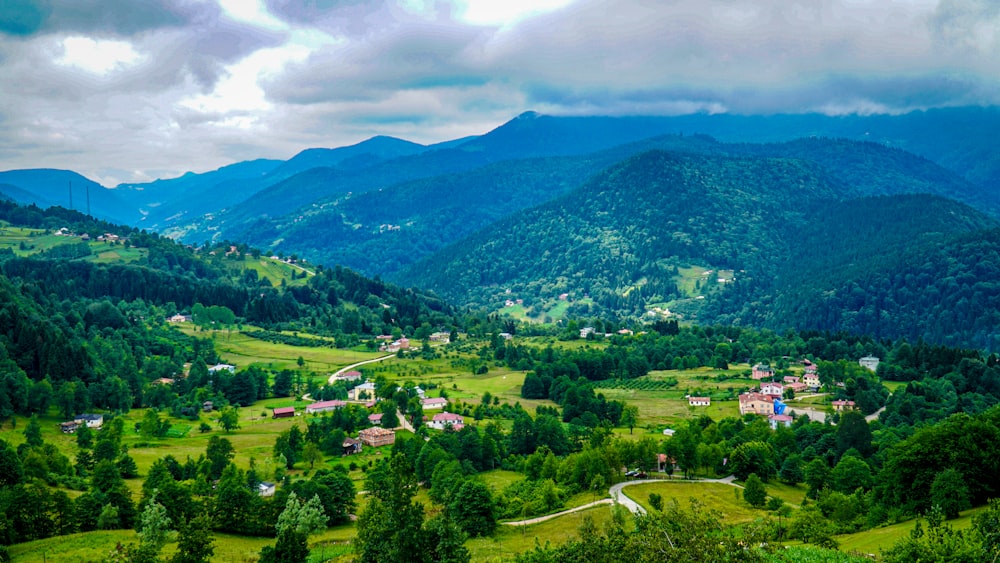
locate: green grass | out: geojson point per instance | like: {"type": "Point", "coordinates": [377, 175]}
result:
{"type": "Point", "coordinates": [511, 540]}
{"type": "Point", "coordinates": [241, 350]}
{"type": "Point", "coordinates": [714, 496]}
{"type": "Point", "coordinates": [877, 539]}
{"type": "Point", "coordinates": [893, 385]}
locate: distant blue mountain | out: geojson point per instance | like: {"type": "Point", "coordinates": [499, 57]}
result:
{"type": "Point", "coordinates": [46, 187]}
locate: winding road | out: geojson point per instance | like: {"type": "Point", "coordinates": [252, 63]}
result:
{"type": "Point", "coordinates": [619, 497]}
{"type": "Point", "coordinates": [352, 366]}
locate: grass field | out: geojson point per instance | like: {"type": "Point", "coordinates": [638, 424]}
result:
{"type": "Point", "coordinates": [714, 496]}
{"type": "Point", "coordinates": [510, 540]}
{"type": "Point", "coordinates": [877, 539]}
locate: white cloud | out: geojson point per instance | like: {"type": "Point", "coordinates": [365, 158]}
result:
{"type": "Point", "coordinates": [97, 56]}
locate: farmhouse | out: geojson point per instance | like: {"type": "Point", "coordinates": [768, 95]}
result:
{"type": "Point", "coordinates": [434, 403]}
{"type": "Point", "coordinates": [772, 388]}
{"type": "Point", "coordinates": [70, 427]}
{"type": "Point", "coordinates": [351, 446]}
{"type": "Point", "coordinates": [348, 376]}
{"type": "Point", "coordinates": [782, 419]}
{"type": "Point", "coordinates": [756, 403]}
{"type": "Point", "coordinates": [265, 489]}
{"type": "Point", "coordinates": [91, 420]}
{"type": "Point", "coordinates": [811, 380]}
{"type": "Point", "coordinates": [762, 371]}
{"type": "Point", "coordinates": [841, 406]}
{"type": "Point", "coordinates": [445, 419]}
{"type": "Point", "coordinates": [699, 401]}
{"type": "Point", "coordinates": [283, 412]}
{"type": "Point", "coordinates": [324, 406]}
{"type": "Point", "coordinates": [364, 391]}
{"type": "Point", "coordinates": [376, 436]}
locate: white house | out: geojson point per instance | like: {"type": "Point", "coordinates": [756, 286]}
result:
{"type": "Point", "coordinates": [91, 420]}
{"type": "Point", "coordinates": [434, 403]}
{"type": "Point", "coordinates": [772, 388]}
{"type": "Point", "coordinates": [440, 421]}
{"type": "Point", "coordinates": [222, 367]}
{"type": "Point", "coordinates": [699, 401]}
{"type": "Point", "coordinates": [265, 489]}
{"type": "Point", "coordinates": [782, 419]}
{"type": "Point", "coordinates": [324, 406]}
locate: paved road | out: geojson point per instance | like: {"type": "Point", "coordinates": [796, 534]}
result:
{"type": "Point", "coordinates": [619, 497]}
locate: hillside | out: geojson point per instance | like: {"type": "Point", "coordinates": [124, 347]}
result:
{"type": "Point", "coordinates": [46, 187]}
{"type": "Point", "coordinates": [807, 251]}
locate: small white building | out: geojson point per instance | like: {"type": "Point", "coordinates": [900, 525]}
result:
{"type": "Point", "coordinates": [445, 419]}
{"type": "Point", "coordinates": [699, 401]}
{"type": "Point", "coordinates": [91, 420]}
{"type": "Point", "coordinates": [265, 489]}
{"type": "Point", "coordinates": [869, 362]}
{"type": "Point", "coordinates": [772, 388]}
{"type": "Point", "coordinates": [222, 367]}
{"type": "Point", "coordinates": [779, 419]}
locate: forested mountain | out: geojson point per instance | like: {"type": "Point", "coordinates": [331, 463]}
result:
{"type": "Point", "coordinates": [808, 253]}
{"type": "Point", "coordinates": [97, 324]}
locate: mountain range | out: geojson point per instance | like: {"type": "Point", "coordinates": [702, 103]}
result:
{"type": "Point", "coordinates": [815, 215]}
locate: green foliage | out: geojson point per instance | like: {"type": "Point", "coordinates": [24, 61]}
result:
{"type": "Point", "coordinates": [754, 491]}
{"type": "Point", "coordinates": [472, 508]}
{"type": "Point", "coordinates": [194, 541]}
{"type": "Point", "coordinates": [950, 493]}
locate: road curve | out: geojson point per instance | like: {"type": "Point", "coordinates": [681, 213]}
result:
{"type": "Point", "coordinates": [352, 366]}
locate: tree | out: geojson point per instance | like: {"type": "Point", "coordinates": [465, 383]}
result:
{"type": "Point", "coordinates": [311, 454]}
{"type": "Point", "coordinates": [791, 470]}
{"type": "Point", "coordinates": [389, 528]}
{"type": "Point", "coordinates": [194, 541]}
{"type": "Point", "coordinates": [816, 473]}
{"type": "Point", "coordinates": [389, 417]}
{"type": "Point", "coordinates": [282, 384]}
{"type": "Point", "coordinates": [154, 526]}
{"type": "Point", "coordinates": [11, 470]}
{"type": "Point", "coordinates": [473, 509]}
{"type": "Point", "coordinates": [752, 457]}
{"type": "Point", "coordinates": [950, 493]}
{"type": "Point", "coordinates": [754, 491]}
{"type": "Point", "coordinates": [444, 541]}
{"type": "Point", "coordinates": [33, 432]}
{"type": "Point", "coordinates": [850, 474]}
{"type": "Point", "coordinates": [630, 416]}
{"type": "Point", "coordinates": [853, 432]}
{"type": "Point", "coordinates": [219, 452]}
{"type": "Point", "coordinates": [229, 419]}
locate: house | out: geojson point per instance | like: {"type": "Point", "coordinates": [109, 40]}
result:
{"type": "Point", "coordinates": [178, 318]}
{"type": "Point", "coordinates": [811, 380]}
{"type": "Point", "coordinates": [797, 387]}
{"type": "Point", "coordinates": [364, 391]}
{"type": "Point", "coordinates": [401, 344]}
{"type": "Point", "coordinates": [207, 406]}
{"type": "Point", "coordinates": [663, 462]}
{"type": "Point", "coordinates": [265, 489]}
{"type": "Point", "coordinates": [222, 367]}
{"type": "Point", "coordinates": [756, 403]}
{"type": "Point", "coordinates": [699, 401]}
{"type": "Point", "coordinates": [772, 388]}
{"type": "Point", "coordinates": [351, 446]}
{"type": "Point", "coordinates": [869, 362]}
{"type": "Point", "coordinates": [376, 436]}
{"type": "Point", "coordinates": [420, 392]}
{"type": "Point", "coordinates": [669, 431]}
{"type": "Point", "coordinates": [348, 376]}
{"type": "Point", "coordinates": [162, 381]}
{"type": "Point", "coordinates": [841, 406]}
{"type": "Point", "coordinates": [283, 412]}
{"type": "Point", "coordinates": [324, 406]}
{"type": "Point", "coordinates": [70, 427]}
{"type": "Point", "coordinates": [442, 337]}
{"type": "Point", "coordinates": [585, 331]}
{"type": "Point", "coordinates": [762, 371]}
{"type": "Point", "coordinates": [446, 419]}
{"type": "Point", "coordinates": [91, 420]}
{"type": "Point", "coordinates": [375, 418]}
{"type": "Point", "coordinates": [434, 403]}
{"type": "Point", "coordinates": [782, 419]}
{"type": "Point", "coordinates": [791, 379]}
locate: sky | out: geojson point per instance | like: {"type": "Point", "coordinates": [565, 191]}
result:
{"type": "Point", "coordinates": [130, 91]}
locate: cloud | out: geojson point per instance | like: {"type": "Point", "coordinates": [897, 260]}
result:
{"type": "Point", "coordinates": [192, 84]}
